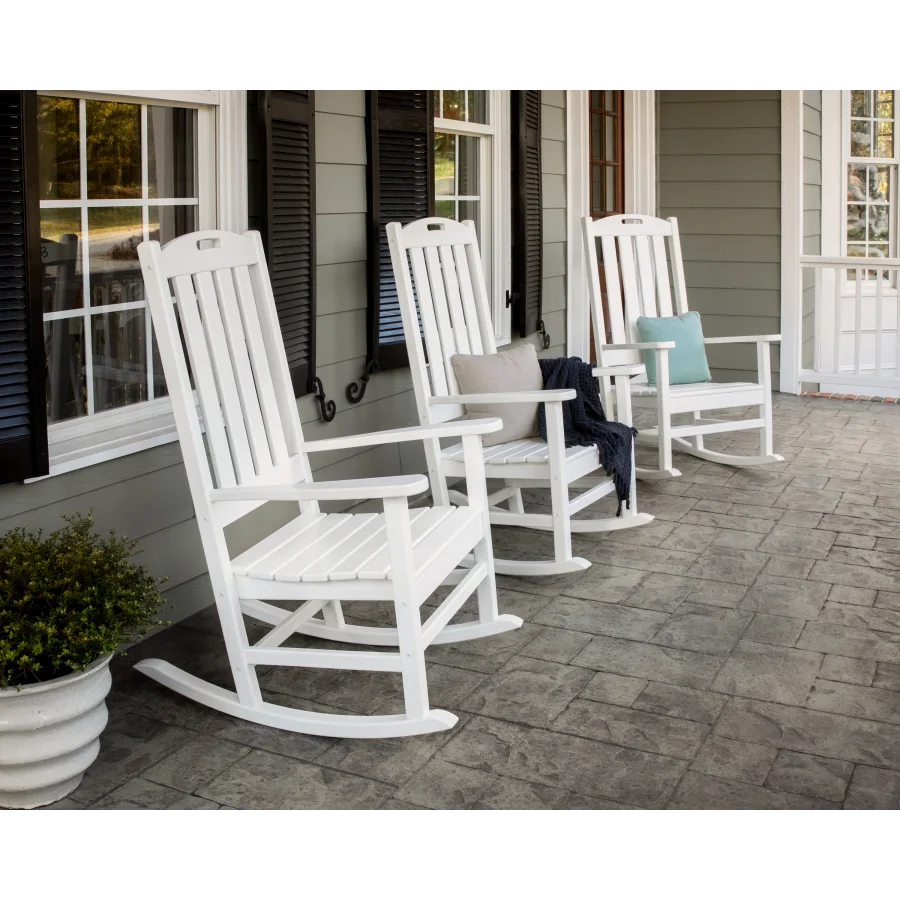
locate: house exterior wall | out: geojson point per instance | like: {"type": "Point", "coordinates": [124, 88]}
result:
{"type": "Point", "coordinates": [719, 174]}
{"type": "Point", "coordinates": [812, 216]}
{"type": "Point", "coordinates": [146, 496]}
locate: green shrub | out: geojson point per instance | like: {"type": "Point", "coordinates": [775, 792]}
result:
{"type": "Point", "coordinates": [68, 598]}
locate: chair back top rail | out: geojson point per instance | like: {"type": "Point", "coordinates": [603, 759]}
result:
{"type": "Point", "coordinates": [212, 306]}
{"type": "Point", "coordinates": [636, 253]}
{"type": "Point", "coordinates": [443, 302]}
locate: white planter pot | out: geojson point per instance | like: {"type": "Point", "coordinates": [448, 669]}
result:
{"type": "Point", "coordinates": [50, 735]}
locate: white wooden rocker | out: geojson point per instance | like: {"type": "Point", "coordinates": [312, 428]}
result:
{"type": "Point", "coordinates": [637, 283]}
{"type": "Point", "coordinates": [227, 316]}
{"type": "Point", "coordinates": [437, 269]}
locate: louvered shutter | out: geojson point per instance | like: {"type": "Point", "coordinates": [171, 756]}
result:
{"type": "Point", "coordinates": [23, 414]}
{"type": "Point", "coordinates": [282, 207]}
{"type": "Point", "coordinates": [526, 211]}
{"type": "Point", "coordinates": [400, 139]}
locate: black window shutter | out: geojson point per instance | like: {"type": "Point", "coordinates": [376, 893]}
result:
{"type": "Point", "coordinates": [282, 207]}
{"type": "Point", "coordinates": [400, 148]}
{"type": "Point", "coordinates": [23, 410]}
{"type": "Point", "coordinates": [526, 212]}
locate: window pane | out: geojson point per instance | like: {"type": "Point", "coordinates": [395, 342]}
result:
{"type": "Point", "coordinates": [114, 235]}
{"type": "Point", "coordinates": [860, 103]}
{"type": "Point", "coordinates": [856, 222]}
{"type": "Point", "coordinates": [477, 111]}
{"type": "Point", "coordinates": [445, 209]}
{"type": "Point", "coordinates": [611, 174]}
{"type": "Point", "coordinates": [879, 182]}
{"type": "Point", "coordinates": [884, 138]}
{"type": "Point", "coordinates": [66, 384]}
{"type": "Point", "coordinates": [611, 100]}
{"type": "Point", "coordinates": [860, 137]}
{"type": "Point", "coordinates": [113, 150]}
{"type": "Point", "coordinates": [856, 183]}
{"type": "Point", "coordinates": [444, 163]}
{"type": "Point", "coordinates": [856, 249]}
{"type": "Point", "coordinates": [454, 104]}
{"type": "Point", "coordinates": [59, 159]}
{"type": "Point", "coordinates": [119, 345]}
{"type": "Point", "coordinates": [160, 388]}
{"type": "Point", "coordinates": [168, 222]}
{"type": "Point", "coordinates": [171, 160]}
{"type": "Point", "coordinates": [884, 106]}
{"type": "Point", "coordinates": [878, 250]}
{"type": "Point", "coordinates": [471, 209]}
{"type": "Point", "coordinates": [61, 259]}
{"type": "Point", "coordinates": [468, 166]}
{"type": "Point", "coordinates": [597, 135]}
{"type": "Point", "coordinates": [612, 151]}
{"type": "Point", "coordinates": [879, 225]}
{"type": "Point", "coordinates": [598, 204]}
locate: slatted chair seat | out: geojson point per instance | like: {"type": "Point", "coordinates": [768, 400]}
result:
{"type": "Point", "coordinates": [444, 306]}
{"type": "Point", "coordinates": [527, 451]}
{"type": "Point", "coordinates": [347, 547]}
{"type": "Point", "coordinates": [638, 282]}
{"type": "Point", "coordinates": [253, 452]}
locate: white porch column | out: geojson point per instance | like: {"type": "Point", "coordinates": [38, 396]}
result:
{"type": "Point", "coordinates": [231, 152]}
{"type": "Point", "coordinates": [640, 152]}
{"type": "Point", "coordinates": [791, 238]}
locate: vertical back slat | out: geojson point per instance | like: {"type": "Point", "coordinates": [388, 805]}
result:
{"type": "Point", "coordinates": [633, 307]}
{"type": "Point", "coordinates": [857, 324]}
{"type": "Point", "coordinates": [201, 367]}
{"type": "Point", "coordinates": [442, 313]}
{"type": "Point", "coordinates": [473, 326]}
{"type": "Point", "coordinates": [259, 361]}
{"type": "Point", "coordinates": [243, 372]}
{"type": "Point", "coordinates": [278, 367]}
{"type": "Point", "coordinates": [479, 288]}
{"type": "Point", "coordinates": [614, 302]}
{"type": "Point", "coordinates": [224, 374]}
{"type": "Point", "coordinates": [429, 323]}
{"type": "Point", "coordinates": [662, 275]}
{"type": "Point", "coordinates": [678, 284]}
{"type": "Point", "coordinates": [451, 286]}
{"type": "Point", "coordinates": [647, 283]}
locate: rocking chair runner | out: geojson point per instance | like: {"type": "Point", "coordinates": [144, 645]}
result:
{"type": "Point", "coordinates": [257, 453]}
{"type": "Point", "coordinates": [437, 269]}
{"type": "Point", "coordinates": [637, 284]}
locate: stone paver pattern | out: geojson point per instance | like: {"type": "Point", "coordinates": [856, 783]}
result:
{"type": "Point", "coordinates": [741, 652]}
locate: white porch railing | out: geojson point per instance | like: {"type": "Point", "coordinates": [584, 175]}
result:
{"type": "Point", "coordinates": [850, 340]}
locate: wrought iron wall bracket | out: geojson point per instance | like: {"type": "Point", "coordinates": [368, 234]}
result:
{"type": "Point", "coordinates": [355, 392]}
{"type": "Point", "coordinates": [545, 338]}
{"type": "Point", "coordinates": [327, 408]}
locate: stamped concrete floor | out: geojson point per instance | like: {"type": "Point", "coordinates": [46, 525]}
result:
{"type": "Point", "coordinates": [741, 652]}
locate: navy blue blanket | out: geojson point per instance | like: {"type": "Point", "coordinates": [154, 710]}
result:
{"type": "Point", "coordinates": [585, 423]}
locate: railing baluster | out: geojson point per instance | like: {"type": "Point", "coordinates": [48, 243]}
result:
{"type": "Point", "coordinates": [897, 339]}
{"type": "Point", "coordinates": [817, 319]}
{"type": "Point", "coordinates": [837, 320]}
{"type": "Point", "coordinates": [879, 322]}
{"type": "Point", "coordinates": [857, 324]}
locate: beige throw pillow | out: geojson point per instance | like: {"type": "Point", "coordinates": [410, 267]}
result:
{"type": "Point", "coordinates": [502, 373]}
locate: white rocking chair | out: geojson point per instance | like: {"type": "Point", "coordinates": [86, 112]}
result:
{"type": "Point", "coordinates": [257, 453]}
{"type": "Point", "coordinates": [634, 262]}
{"type": "Point", "coordinates": [441, 258]}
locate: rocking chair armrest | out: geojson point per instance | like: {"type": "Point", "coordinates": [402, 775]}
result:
{"type": "Point", "coordinates": [459, 428]}
{"type": "Point", "coordinates": [554, 396]}
{"type": "Point", "coordinates": [351, 489]}
{"type": "Point", "coordinates": [643, 345]}
{"type": "Point", "coordinates": [632, 369]}
{"type": "Point", "coordinates": [745, 339]}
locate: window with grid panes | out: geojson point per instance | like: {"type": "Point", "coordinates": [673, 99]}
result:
{"type": "Point", "coordinates": [871, 166]}
{"type": "Point", "coordinates": [112, 174]}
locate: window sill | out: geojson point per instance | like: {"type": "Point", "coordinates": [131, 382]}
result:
{"type": "Point", "coordinates": [100, 438]}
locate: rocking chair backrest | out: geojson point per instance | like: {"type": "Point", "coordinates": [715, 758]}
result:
{"type": "Point", "coordinates": [440, 284]}
{"type": "Point", "coordinates": [227, 320]}
{"type": "Point", "coordinates": [636, 276]}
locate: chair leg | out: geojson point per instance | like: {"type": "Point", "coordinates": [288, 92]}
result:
{"type": "Point", "coordinates": [698, 438]}
{"type": "Point", "coordinates": [559, 489]}
{"type": "Point", "coordinates": [516, 503]}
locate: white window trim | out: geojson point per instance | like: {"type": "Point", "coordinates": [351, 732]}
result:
{"type": "Point", "coordinates": [496, 228]}
{"type": "Point", "coordinates": [640, 195]}
{"type": "Point", "coordinates": [108, 435]}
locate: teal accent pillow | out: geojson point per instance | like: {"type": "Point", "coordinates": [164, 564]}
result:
{"type": "Point", "coordinates": [687, 359]}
